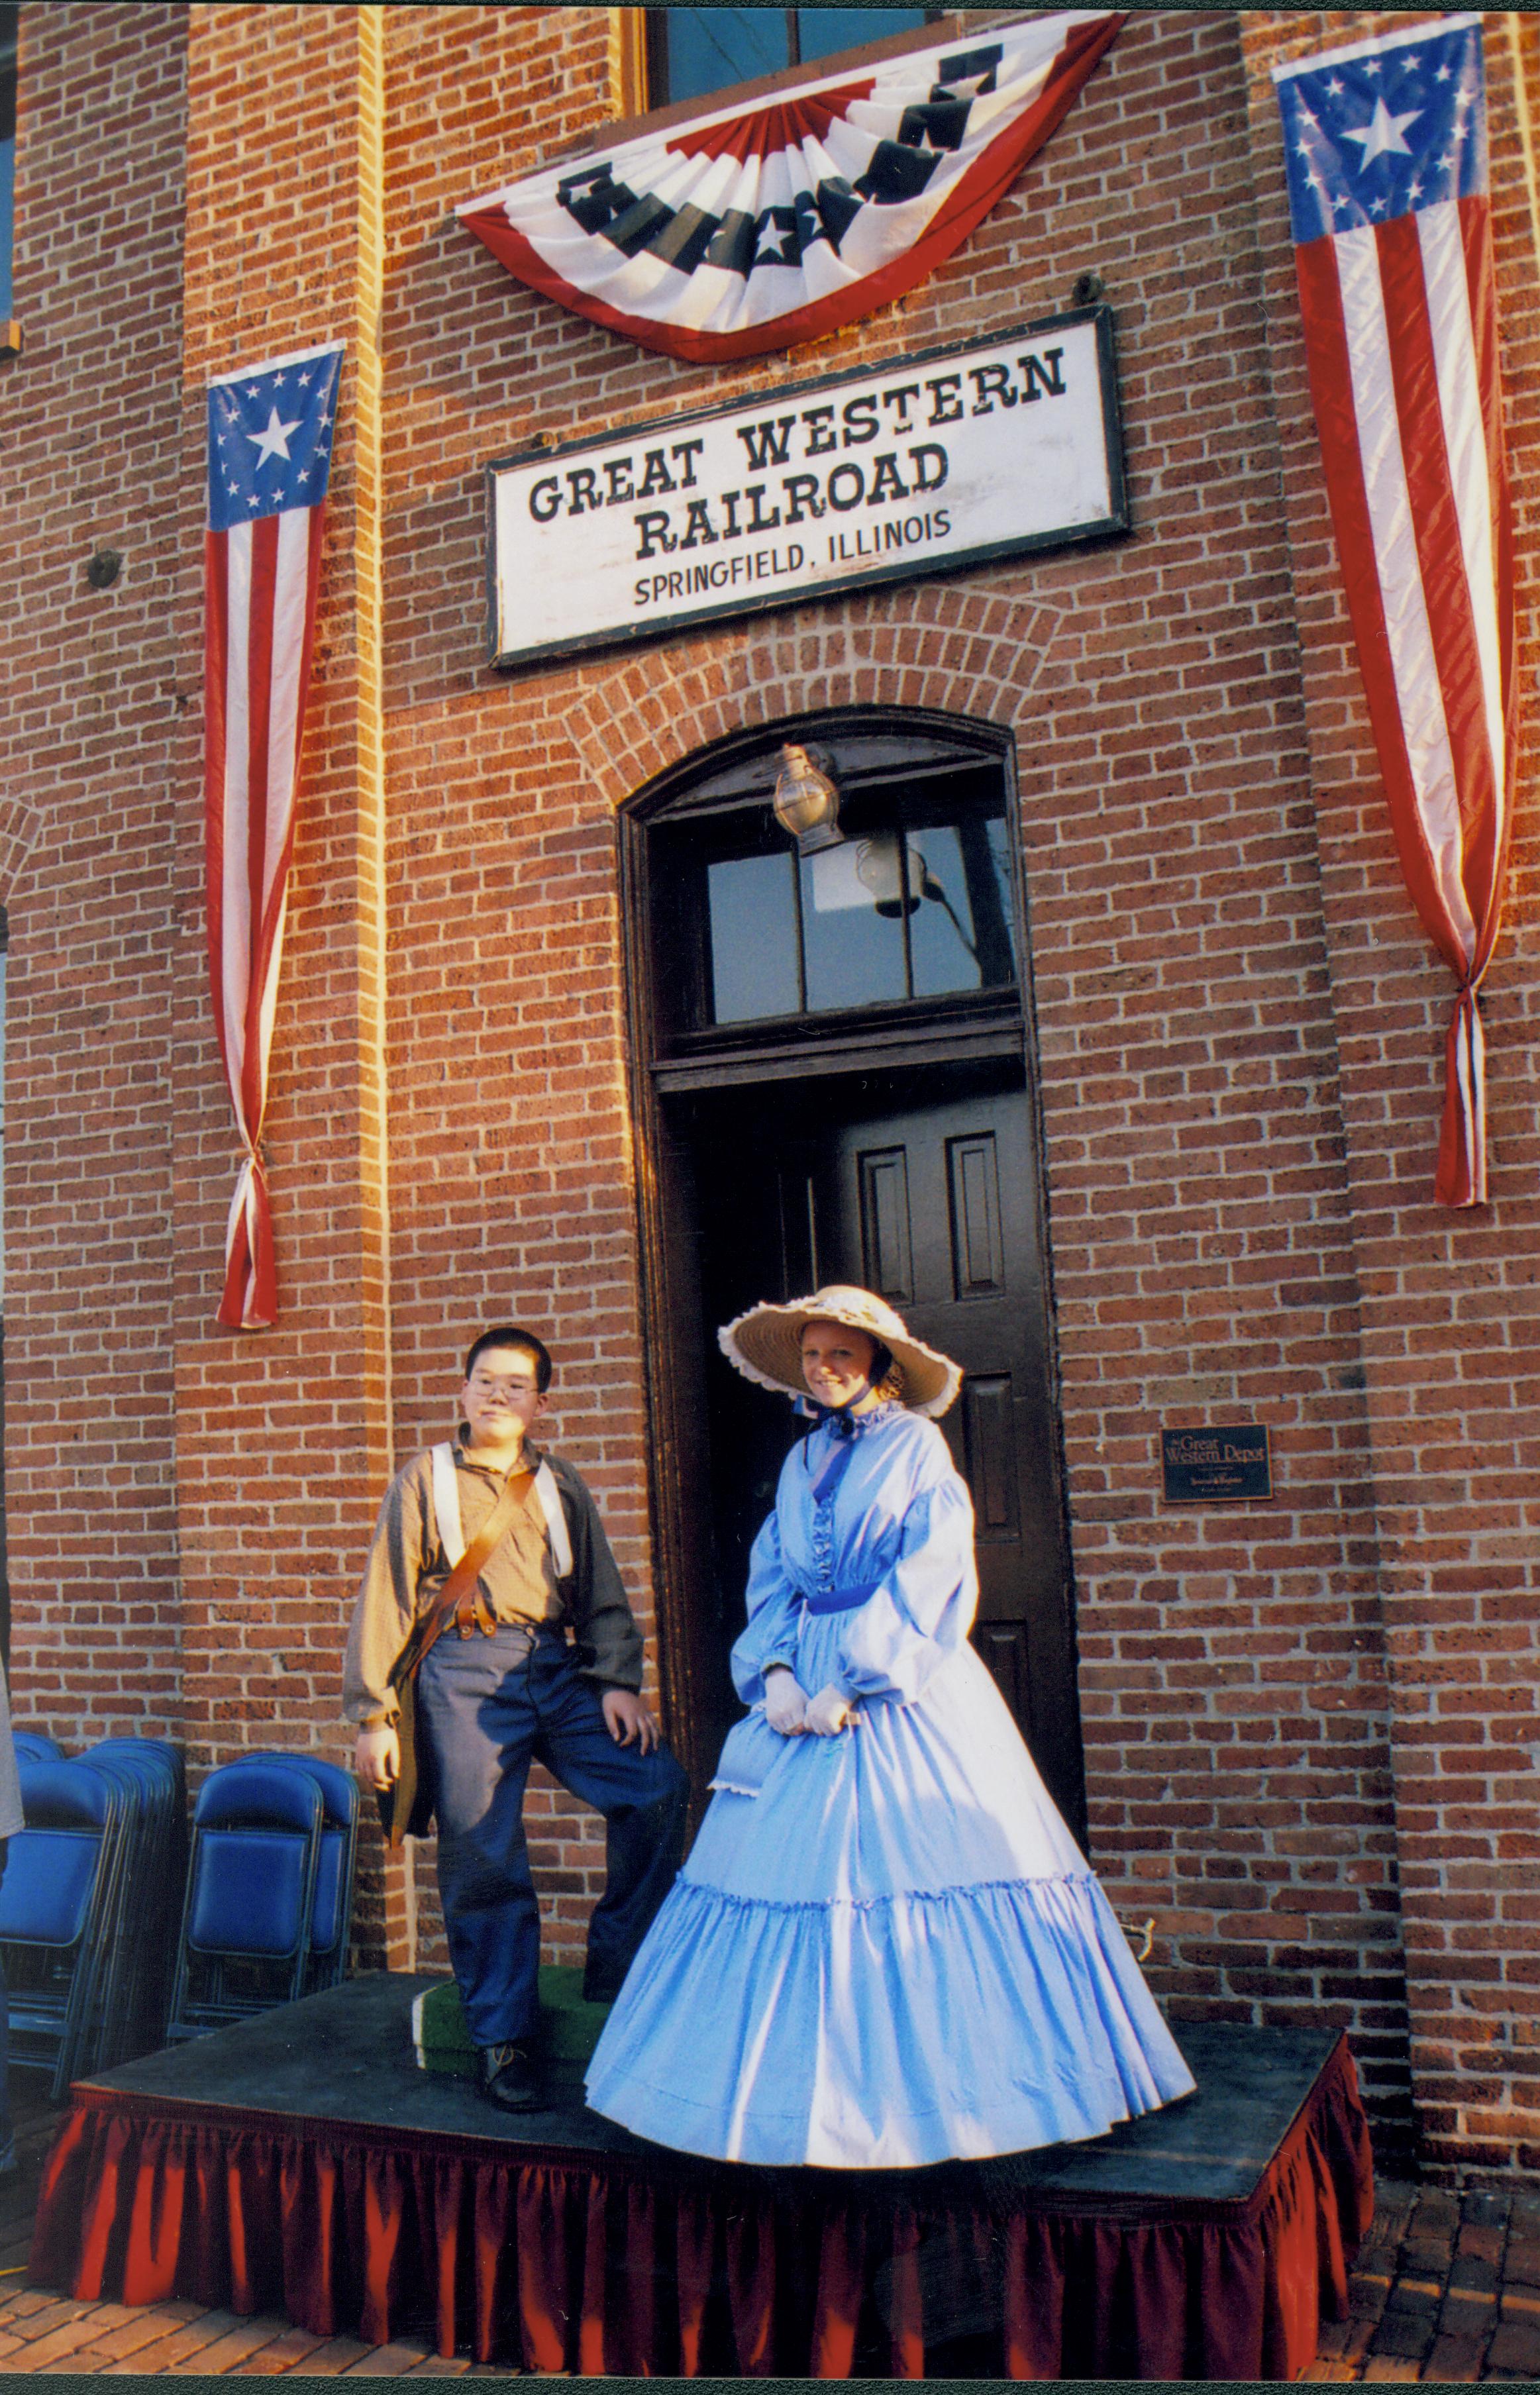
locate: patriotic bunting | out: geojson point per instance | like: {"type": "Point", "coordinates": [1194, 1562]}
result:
{"type": "Point", "coordinates": [751, 228]}
{"type": "Point", "coordinates": [269, 438]}
{"type": "Point", "coordinates": [1385, 142]}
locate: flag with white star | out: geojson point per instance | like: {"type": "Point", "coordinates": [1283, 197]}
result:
{"type": "Point", "coordinates": [1385, 149]}
{"type": "Point", "coordinates": [1385, 127]}
{"type": "Point", "coordinates": [269, 437]}
{"type": "Point", "coordinates": [270, 443]}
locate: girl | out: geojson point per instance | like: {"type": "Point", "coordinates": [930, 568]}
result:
{"type": "Point", "coordinates": [885, 1948]}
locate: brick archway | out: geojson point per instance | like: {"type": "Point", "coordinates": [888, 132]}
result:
{"type": "Point", "coordinates": [936, 645]}
{"type": "Point", "coordinates": [19, 825]}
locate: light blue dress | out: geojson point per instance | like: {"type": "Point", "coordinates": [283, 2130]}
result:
{"type": "Point", "coordinates": [884, 1949]}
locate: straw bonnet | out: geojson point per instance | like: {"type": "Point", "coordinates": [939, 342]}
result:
{"type": "Point", "coordinates": [765, 1344]}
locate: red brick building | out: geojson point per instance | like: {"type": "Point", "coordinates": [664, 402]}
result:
{"type": "Point", "coordinates": [1208, 1086]}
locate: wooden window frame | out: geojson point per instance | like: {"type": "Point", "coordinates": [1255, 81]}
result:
{"type": "Point", "coordinates": [636, 111]}
{"type": "Point", "coordinates": [10, 64]}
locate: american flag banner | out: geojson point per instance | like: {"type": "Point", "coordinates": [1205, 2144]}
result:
{"type": "Point", "coordinates": [270, 440]}
{"type": "Point", "coordinates": [748, 229]}
{"type": "Point", "coordinates": [1385, 142]}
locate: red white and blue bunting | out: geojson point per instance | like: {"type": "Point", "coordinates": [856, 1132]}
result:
{"type": "Point", "coordinates": [749, 229]}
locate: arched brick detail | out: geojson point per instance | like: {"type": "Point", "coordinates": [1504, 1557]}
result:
{"type": "Point", "coordinates": [19, 825]}
{"type": "Point", "coordinates": [958, 650]}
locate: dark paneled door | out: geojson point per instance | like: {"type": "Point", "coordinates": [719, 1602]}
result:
{"type": "Point", "coordinates": [921, 1186]}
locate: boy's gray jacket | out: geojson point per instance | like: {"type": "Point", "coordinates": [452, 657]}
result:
{"type": "Point", "coordinates": [407, 1566]}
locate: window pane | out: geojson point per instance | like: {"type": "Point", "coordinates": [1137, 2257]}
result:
{"type": "Point", "coordinates": [711, 47]}
{"type": "Point", "coordinates": [8, 178]}
{"type": "Point", "coordinates": [941, 926]}
{"type": "Point", "coordinates": [753, 920]}
{"type": "Point", "coordinates": [847, 904]}
{"type": "Point", "coordinates": [987, 862]}
{"type": "Point", "coordinates": [855, 954]}
{"type": "Point", "coordinates": [8, 17]}
{"type": "Point", "coordinates": [821, 31]}
{"type": "Point", "coordinates": [960, 936]}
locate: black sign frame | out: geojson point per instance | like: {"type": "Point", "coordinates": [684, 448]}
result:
{"type": "Point", "coordinates": [1114, 525]}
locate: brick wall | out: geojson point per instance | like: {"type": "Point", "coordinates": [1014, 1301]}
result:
{"type": "Point", "coordinates": [1450, 1317]}
{"type": "Point", "coordinates": [95, 733]}
{"type": "Point", "coordinates": [283, 1437]}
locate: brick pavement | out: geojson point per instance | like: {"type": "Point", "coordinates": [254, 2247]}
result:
{"type": "Point", "coordinates": [1447, 2288]}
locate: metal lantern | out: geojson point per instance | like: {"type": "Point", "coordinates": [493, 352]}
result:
{"type": "Point", "coordinates": [806, 801]}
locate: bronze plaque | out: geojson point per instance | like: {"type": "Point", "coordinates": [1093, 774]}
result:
{"type": "Point", "coordinates": [1226, 1465]}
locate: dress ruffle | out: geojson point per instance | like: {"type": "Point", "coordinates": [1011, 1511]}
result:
{"type": "Point", "coordinates": [883, 2032]}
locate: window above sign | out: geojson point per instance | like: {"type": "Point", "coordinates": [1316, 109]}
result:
{"type": "Point", "coordinates": [908, 906]}
{"type": "Point", "coordinates": [10, 21]}
{"type": "Point", "coordinates": [693, 51]}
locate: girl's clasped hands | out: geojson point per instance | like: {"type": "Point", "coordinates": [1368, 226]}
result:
{"type": "Point", "coordinates": [790, 1709]}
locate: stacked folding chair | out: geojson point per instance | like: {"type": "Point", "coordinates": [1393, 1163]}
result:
{"type": "Point", "coordinates": [32, 1746]}
{"type": "Point", "coordinates": [331, 1906]}
{"type": "Point", "coordinates": [133, 1967]}
{"type": "Point", "coordinates": [269, 1889]}
{"type": "Point", "coordinates": [91, 1890]}
{"type": "Point", "coordinates": [92, 1897]}
{"type": "Point", "coordinates": [56, 1908]}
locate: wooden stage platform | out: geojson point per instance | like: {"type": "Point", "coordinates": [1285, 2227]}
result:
{"type": "Point", "coordinates": [303, 2164]}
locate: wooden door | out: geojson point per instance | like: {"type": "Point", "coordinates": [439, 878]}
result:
{"type": "Point", "coordinates": [922, 1186]}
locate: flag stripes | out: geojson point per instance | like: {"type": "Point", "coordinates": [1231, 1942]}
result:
{"type": "Point", "coordinates": [1398, 309]}
{"type": "Point", "coordinates": [261, 580]}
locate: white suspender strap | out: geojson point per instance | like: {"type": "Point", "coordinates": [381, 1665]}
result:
{"type": "Point", "coordinates": [446, 1511]}
{"type": "Point", "coordinates": [446, 1504]}
{"type": "Point", "coordinates": [551, 1500]}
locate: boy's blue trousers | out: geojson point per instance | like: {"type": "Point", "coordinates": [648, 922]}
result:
{"type": "Point", "coordinates": [488, 1707]}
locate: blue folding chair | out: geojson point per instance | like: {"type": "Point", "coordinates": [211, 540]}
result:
{"type": "Point", "coordinates": [331, 1915]}
{"type": "Point", "coordinates": [36, 1746]}
{"type": "Point", "coordinates": [54, 1907]}
{"type": "Point", "coordinates": [245, 1934]}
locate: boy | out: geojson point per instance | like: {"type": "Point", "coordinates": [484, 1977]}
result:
{"type": "Point", "coordinates": [503, 1685]}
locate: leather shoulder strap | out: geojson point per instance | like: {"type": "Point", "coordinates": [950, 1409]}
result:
{"type": "Point", "coordinates": [462, 1580]}
{"type": "Point", "coordinates": [460, 1594]}
{"type": "Point", "coordinates": [556, 1522]}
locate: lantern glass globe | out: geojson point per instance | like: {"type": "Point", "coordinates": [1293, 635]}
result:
{"type": "Point", "coordinates": [806, 801]}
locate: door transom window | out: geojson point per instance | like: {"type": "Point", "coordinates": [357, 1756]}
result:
{"type": "Point", "coordinates": [911, 905]}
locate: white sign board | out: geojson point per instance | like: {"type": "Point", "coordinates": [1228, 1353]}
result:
{"type": "Point", "coordinates": [915, 467]}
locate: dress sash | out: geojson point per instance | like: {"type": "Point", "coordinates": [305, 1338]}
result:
{"type": "Point", "coordinates": [840, 1600]}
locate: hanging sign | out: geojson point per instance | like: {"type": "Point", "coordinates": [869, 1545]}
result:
{"type": "Point", "coordinates": [925, 464]}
